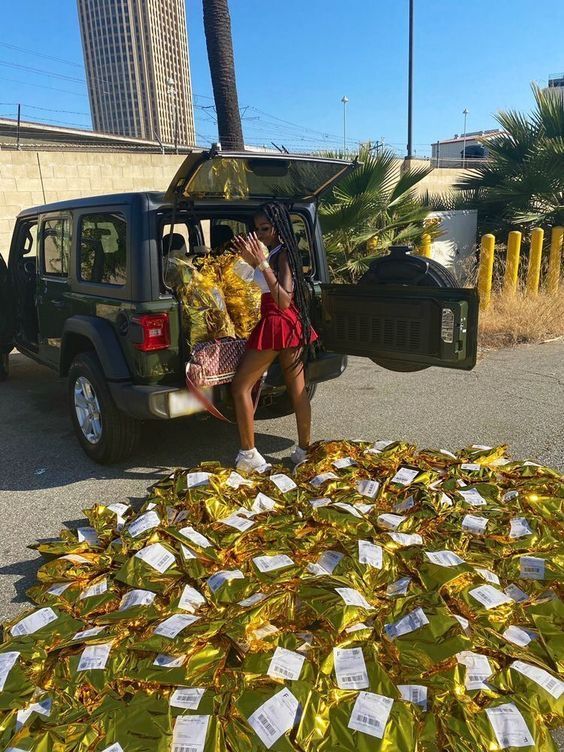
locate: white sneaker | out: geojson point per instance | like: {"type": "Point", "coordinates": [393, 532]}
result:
{"type": "Point", "coordinates": [299, 455]}
{"type": "Point", "coordinates": [249, 460]}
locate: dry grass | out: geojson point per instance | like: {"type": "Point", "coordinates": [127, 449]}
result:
{"type": "Point", "coordinates": [518, 319]}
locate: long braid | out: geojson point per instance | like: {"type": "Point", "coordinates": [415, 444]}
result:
{"type": "Point", "coordinates": [279, 217]}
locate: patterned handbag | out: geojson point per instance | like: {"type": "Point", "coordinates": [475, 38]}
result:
{"type": "Point", "coordinates": [215, 363]}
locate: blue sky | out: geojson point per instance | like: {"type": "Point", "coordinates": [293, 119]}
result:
{"type": "Point", "coordinates": [295, 59]}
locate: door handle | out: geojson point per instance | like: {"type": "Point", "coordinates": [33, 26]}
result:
{"type": "Point", "coordinates": [60, 304]}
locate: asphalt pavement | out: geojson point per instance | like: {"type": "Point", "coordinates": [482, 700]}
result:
{"type": "Point", "coordinates": [512, 396]}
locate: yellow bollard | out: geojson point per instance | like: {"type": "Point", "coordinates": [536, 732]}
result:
{"type": "Point", "coordinates": [553, 277]}
{"type": "Point", "coordinates": [486, 269]}
{"type": "Point", "coordinates": [535, 257]}
{"type": "Point", "coordinates": [512, 262]}
{"type": "Point", "coordinates": [425, 249]}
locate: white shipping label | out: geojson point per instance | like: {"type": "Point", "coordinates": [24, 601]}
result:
{"type": "Point", "coordinates": [407, 539]}
{"type": "Point", "coordinates": [326, 562]}
{"type": "Point", "coordinates": [356, 628]}
{"type": "Point", "coordinates": [510, 496]}
{"type": "Point", "coordinates": [188, 698]}
{"type": "Point", "coordinates": [464, 623]}
{"type": "Point", "coordinates": [322, 478]}
{"type": "Point", "coordinates": [348, 508]}
{"type": "Point", "coordinates": [190, 599]}
{"type": "Point", "coordinates": [118, 508]}
{"type": "Point", "coordinates": [509, 726]}
{"type": "Point", "coordinates": [390, 521]}
{"type": "Point", "coordinates": [370, 714]}
{"type": "Point", "coordinates": [226, 575]}
{"type": "Point", "coordinates": [156, 556]}
{"type": "Point", "coordinates": [190, 733]}
{"type": "Point", "coordinates": [267, 630]}
{"type": "Point", "coordinates": [252, 600]}
{"type": "Point", "coordinates": [488, 575]}
{"type": "Point", "coordinates": [145, 522]}
{"type": "Point", "coordinates": [274, 717]}
{"type": "Point", "coordinates": [518, 636]}
{"type": "Point", "coordinates": [263, 503]}
{"type": "Point", "coordinates": [169, 661]}
{"type": "Point", "coordinates": [408, 623]}
{"type": "Point", "coordinates": [371, 554]}
{"type": "Point", "coordinates": [43, 708]}
{"type": "Point", "coordinates": [87, 535]}
{"type": "Point", "coordinates": [532, 568]}
{"type": "Point", "coordinates": [175, 624]}
{"type": "Point", "coordinates": [316, 503]}
{"type": "Point", "coordinates": [399, 587]}
{"type": "Point", "coordinates": [59, 588]}
{"type": "Point", "coordinates": [489, 596]}
{"type": "Point", "coordinates": [272, 563]}
{"type": "Point", "coordinates": [444, 558]}
{"type": "Point", "coordinates": [473, 524]}
{"type": "Point", "coordinates": [515, 593]}
{"type": "Point", "coordinates": [483, 447]}
{"type": "Point", "coordinates": [96, 589]}
{"type": "Point", "coordinates": [550, 683]}
{"type": "Point", "coordinates": [415, 693]}
{"type": "Point", "coordinates": [33, 622]}
{"type": "Point", "coordinates": [195, 537]}
{"type": "Point", "coordinates": [364, 508]}
{"type": "Point", "coordinates": [283, 482]}
{"type": "Point", "coordinates": [447, 453]}
{"type": "Point", "coordinates": [404, 505]}
{"type": "Point", "coordinates": [473, 497]}
{"type": "Point", "coordinates": [116, 747]}
{"type": "Point", "coordinates": [76, 559]}
{"type": "Point", "coordinates": [478, 669]}
{"type": "Point", "coordinates": [350, 668]}
{"type": "Point", "coordinates": [86, 633]}
{"type": "Point", "coordinates": [445, 500]}
{"type": "Point", "coordinates": [471, 467]}
{"type": "Point", "coordinates": [187, 553]}
{"type": "Point", "coordinates": [353, 598]}
{"type": "Point", "coordinates": [286, 664]}
{"type": "Point", "coordinates": [368, 488]}
{"type": "Point", "coordinates": [194, 480]}
{"type": "Point", "coordinates": [343, 463]}
{"type": "Point", "coordinates": [379, 446]}
{"type": "Point", "coordinates": [239, 523]}
{"type": "Point", "coordinates": [236, 481]}
{"type": "Point", "coordinates": [136, 598]}
{"type": "Point", "coordinates": [405, 476]}
{"type": "Point", "coordinates": [94, 657]}
{"type": "Point", "coordinates": [519, 528]}
{"type": "Point", "coordinates": [7, 662]}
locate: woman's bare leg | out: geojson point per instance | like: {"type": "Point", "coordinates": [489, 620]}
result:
{"type": "Point", "coordinates": [294, 376]}
{"type": "Point", "coordinates": [251, 368]}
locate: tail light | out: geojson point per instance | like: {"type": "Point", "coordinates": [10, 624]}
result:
{"type": "Point", "coordinates": [151, 333]}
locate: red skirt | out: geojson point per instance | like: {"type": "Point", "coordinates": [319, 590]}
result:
{"type": "Point", "coordinates": [277, 329]}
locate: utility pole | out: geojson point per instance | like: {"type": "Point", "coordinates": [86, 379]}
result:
{"type": "Point", "coordinates": [344, 100]}
{"type": "Point", "coordinates": [18, 147]}
{"type": "Point", "coordinates": [465, 113]}
{"type": "Point", "coordinates": [171, 84]}
{"type": "Point", "coordinates": [410, 86]}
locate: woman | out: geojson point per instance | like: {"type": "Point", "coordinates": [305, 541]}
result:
{"type": "Point", "coordinates": [283, 331]}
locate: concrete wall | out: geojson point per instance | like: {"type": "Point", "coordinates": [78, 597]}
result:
{"type": "Point", "coordinates": [29, 178]}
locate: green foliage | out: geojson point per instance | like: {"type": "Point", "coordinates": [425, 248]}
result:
{"type": "Point", "coordinates": [373, 207]}
{"type": "Point", "coordinates": [522, 184]}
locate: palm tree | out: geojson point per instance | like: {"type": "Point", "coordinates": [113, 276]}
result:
{"type": "Point", "coordinates": [374, 207]}
{"type": "Point", "coordinates": [522, 184]}
{"type": "Point", "coordinates": [217, 26]}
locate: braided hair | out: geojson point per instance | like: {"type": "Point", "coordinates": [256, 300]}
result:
{"type": "Point", "coordinates": [279, 217]}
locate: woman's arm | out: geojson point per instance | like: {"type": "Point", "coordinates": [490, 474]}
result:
{"type": "Point", "coordinates": [281, 284]}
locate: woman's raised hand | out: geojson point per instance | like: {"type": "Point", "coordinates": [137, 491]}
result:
{"type": "Point", "coordinates": [250, 248]}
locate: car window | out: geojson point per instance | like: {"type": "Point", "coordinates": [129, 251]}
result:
{"type": "Point", "coordinates": [304, 243]}
{"type": "Point", "coordinates": [55, 235]}
{"type": "Point", "coordinates": [103, 248]}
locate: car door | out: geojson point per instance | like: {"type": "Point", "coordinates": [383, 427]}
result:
{"type": "Point", "coordinates": [7, 311]}
{"type": "Point", "coordinates": [53, 287]}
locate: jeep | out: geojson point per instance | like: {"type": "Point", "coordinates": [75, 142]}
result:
{"type": "Point", "coordinates": [84, 293]}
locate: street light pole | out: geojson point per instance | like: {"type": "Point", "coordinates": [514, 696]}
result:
{"type": "Point", "coordinates": [465, 113]}
{"type": "Point", "coordinates": [171, 84]}
{"type": "Point", "coordinates": [344, 100]}
{"type": "Point", "coordinates": [410, 86]}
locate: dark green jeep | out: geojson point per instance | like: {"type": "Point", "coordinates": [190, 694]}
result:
{"type": "Point", "coordinates": [84, 293]}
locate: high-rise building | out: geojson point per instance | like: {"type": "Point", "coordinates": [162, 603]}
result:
{"type": "Point", "coordinates": [556, 85]}
{"type": "Point", "coordinates": [137, 67]}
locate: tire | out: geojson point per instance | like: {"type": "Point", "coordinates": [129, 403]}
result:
{"type": "Point", "coordinates": [282, 405]}
{"type": "Point", "coordinates": [4, 366]}
{"type": "Point", "coordinates": [113, 435]}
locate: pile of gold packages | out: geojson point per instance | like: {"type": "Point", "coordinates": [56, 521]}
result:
{"type": "Point", "coordinates": [215, 301]}
{"type": "Point", "coordinates": [381, 599]}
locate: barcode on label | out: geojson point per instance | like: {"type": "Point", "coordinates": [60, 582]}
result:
{"type": "Point", "coordinates": [184, 748]}
{"type": "Point", "coordinates": [352, 678]}
{"type": "Point", "coordinates": [367, 720]}
{"type": "Point", "coordinates": [267, 726]}
{"type": "Point", "coordinates": [277, 669]}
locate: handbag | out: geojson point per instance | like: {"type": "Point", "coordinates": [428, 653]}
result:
{"type": "Point", "coordinates": [213, 364]}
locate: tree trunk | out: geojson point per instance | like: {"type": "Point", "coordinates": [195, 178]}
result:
{"type": "Point", "coordinates": [217, 25]}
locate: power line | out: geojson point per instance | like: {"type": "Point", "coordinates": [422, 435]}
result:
{"type": "Point", "coordinates": [43, 86]}
{"type": "Point", "coordinates": [45, 109]}
{"type": "Point", "coordinates": [40, 54]}
{"type": "Point", "coordinates": [39, 72]}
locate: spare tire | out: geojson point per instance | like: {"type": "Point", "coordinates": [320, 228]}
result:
{"type": "Point", "coordinates": [400, 267]}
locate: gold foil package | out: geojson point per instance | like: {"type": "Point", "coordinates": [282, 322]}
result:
{"type": "Point", "coordinates": [377, 599]}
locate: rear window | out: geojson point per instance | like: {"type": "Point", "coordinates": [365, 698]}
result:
{"type": "Point", "coordinates": [103, 249]}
